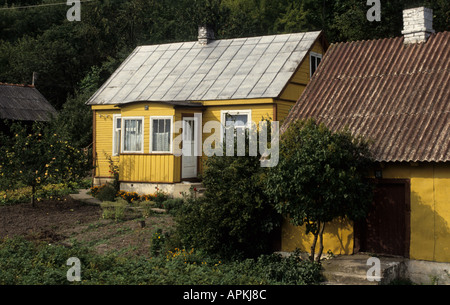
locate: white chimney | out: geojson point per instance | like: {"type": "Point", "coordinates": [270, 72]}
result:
{"type": "Point", "coordinates": [205, 35]}
{"type": "Point", "coordinates": [417, 24]}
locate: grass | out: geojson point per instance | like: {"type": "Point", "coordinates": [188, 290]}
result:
{"type": "Point", "coordinates": [26, 262]}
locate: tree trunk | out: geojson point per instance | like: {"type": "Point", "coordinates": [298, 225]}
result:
{"type": "Point", "coordinates": [313, 246]}
{"type": "Point", "coordinates": [320, 242]}
{"type": "Point", "coordinates": [33, 190]}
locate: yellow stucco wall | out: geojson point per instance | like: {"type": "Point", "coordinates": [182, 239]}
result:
{"type": "Point", "coordinates": [430, 215]}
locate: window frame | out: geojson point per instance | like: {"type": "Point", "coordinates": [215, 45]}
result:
{"type": "Point", "coordinates": [161, 117]}
{"type": "Point", "coordinates": [123, 134]}
{"type": "Point", "coordinates": [223, 114]}
{"type": "Point", "coordinates": [115, 117]}
{"type": "Point", "coordinates": [311, 55]}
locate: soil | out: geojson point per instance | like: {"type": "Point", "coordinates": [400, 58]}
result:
{"type": "Point", "coordinates": [68, 221]}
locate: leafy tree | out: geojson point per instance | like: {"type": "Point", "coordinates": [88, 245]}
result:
{"type": "Point", "coordinates": [74, 121]}
{"type": "Point", "coordinates": [234, 218]}
{"type": "Point", "coordinates": [321, 176]}
{"type": "Point", "coordinates": [37, 157]}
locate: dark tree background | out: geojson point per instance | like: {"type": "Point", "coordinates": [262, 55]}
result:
{"type": "Point", "coordinates": [74, 58]}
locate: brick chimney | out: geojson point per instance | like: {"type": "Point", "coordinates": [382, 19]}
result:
{"type": "Point", "coordinates": [417, 24]}
{"type": "Point", "coordinates": [205, 35]}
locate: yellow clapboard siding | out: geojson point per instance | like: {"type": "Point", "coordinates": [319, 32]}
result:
{"type": "Point", "coordinates": [283, 108]}
{"type": "Point", "coordinates": [292, 92]}
{"type": "Point", "coordinates": [249, 102]}
{"type": "Point", "coordinates": [103, 140]}
{"type": "Point", "coordinates": [258, 112]}
{"type": "Point", "coordinates": [301, 77]}
{"type": "Point", "coordinates": [147, 168]}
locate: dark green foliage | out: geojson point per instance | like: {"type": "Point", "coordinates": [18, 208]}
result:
{"type": "Point", "coordinates": [74, 58]}
{"type": "Point", "coordinates": [107, 193]}
{"type": "Point", "coordinates": [26, 263]}
{"type": "Point", "coordinates": [172, 205]}
{"type": "Point", "coordinates": [321, 176]}
{"type": "Point", "coordinates": [38, 156]}
{"type": "Point", "coordinates": [234, 217]}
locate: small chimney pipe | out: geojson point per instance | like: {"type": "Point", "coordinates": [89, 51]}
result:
{"type": "Point", "coordinates": [205, 35]}
{"type": "Point", "coordinates": [35, 77]}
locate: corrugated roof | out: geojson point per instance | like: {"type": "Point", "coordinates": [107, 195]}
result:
{"type": "Point", "coordinates": [397, 95]}
{"type": "Point", "coordinates": [24, 103]}
{"type": "Point", "coordinates": [240, 68]}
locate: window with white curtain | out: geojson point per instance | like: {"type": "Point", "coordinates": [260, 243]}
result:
{"type": "Point", "coordinates": [133, 135]}
{"type": "Point", "coordinates": [160, 132]}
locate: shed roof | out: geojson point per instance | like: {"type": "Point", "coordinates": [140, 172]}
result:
{"type": "Point", "coordinates": [24, 103]}
{"type": "Point", "coordinates": [397, 95]}
{"type": "Point", "coordinates": [240, 68]}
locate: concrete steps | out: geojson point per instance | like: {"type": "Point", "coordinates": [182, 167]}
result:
{"type": "Point", "coordinates": [352, 270]}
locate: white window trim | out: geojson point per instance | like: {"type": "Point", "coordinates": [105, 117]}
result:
{"type": "Point", "coordinates": [123, 134]}
{"type": "Point", "coordinates": [223, 113]}
{"type": "Point", "coordinates": [311, 54]}
{"type": "Point", "coordinates": [115, 116]}
{"type": "Point", "coordinates": [170, 136]}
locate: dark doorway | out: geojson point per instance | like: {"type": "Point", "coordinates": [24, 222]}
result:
{"type": "Point", "coordinates": [386, 229]}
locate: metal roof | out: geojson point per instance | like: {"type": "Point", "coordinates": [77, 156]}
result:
{"type": "Point", "coordinates": [397, 95]}
{"type": "Point", "coordinates": [240, 68]}
{"type": "Point", "coordinates": [24, 103]}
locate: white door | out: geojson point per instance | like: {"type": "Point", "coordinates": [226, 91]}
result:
{"type": "Point", "coordinates": [188, 159]}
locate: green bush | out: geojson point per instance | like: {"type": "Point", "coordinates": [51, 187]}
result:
{"type": "Point", "coordinates": [159, 196]}
{"type": "Point", "coordinates": [106, 193]}
{"type": "Point", "coordinates": [52, 191]}
{"type": "Point", "coordinates": [233, 218]}
{"type": "Point", "coordinates": [147, 207]}
{"type": "Point", "coordinates": [158, 242]}
{"type": "Point", "coordinates": [172, 205]}
{"type": "Point", "coordinates": [114, 209]}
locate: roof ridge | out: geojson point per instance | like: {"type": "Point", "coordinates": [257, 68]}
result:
{"type": "Point", "coordinates": [384, 38]}
{"type": "Point", "coordinates": [233, 38]}
{"type": "Point", "coordinates": [17, 85]}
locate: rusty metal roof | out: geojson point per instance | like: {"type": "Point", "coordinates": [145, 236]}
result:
{"type": "Point", "coordinates": [397, 95]}
{"type": "Point", "coordinates": [24, 103]}
{"type": "Point", "coordinates": [240, 68]}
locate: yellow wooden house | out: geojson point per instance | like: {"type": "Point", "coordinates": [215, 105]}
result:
{"type": "Point", "coordinates": [396, 93]}
{"type": "Point", "coordinates": [137, 109]}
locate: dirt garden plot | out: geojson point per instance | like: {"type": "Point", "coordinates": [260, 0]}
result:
{"type": "Point", "coordinates": [69, 221]}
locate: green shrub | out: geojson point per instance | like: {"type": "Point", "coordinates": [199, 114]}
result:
{"type": "Point", "coordinates": [172, 205]}
{"type": "Point", "coordinates": [54, 191]}
{"type": "Point", "coordinates": [157, 242]}
{"type": "Point", "coordinates": [114, 209]}
{"type": "Point", "coordinates": [106, 193]}
{"type": "Point", "coordinates": [146, 207]}
{"type": "Point", "coordinates": [233, 218]}
{"type": "Point", "coordinates": [130, 197]}
{"type": "Point", "coordinates": [159, 196]}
